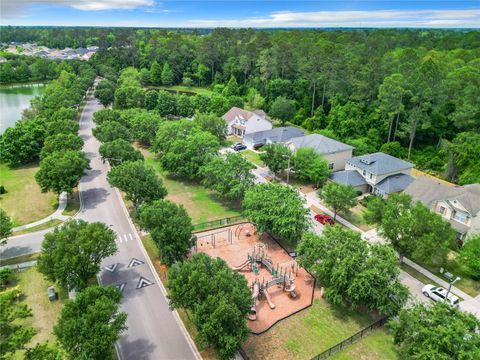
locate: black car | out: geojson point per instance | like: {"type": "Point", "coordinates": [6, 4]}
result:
{"type": "Point", "coordinates": [238, 147]}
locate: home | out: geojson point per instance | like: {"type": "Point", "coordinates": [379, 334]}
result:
{"type": "Point", "coordinates": [241, 122]}
{"type": "Point", "coordinates": [335, 152]}
{"type": "Point", "coordinates": [380, 174]}
{"type": "Point", "coordinates": [273, 136]}
{"type": "Point", "coordinates": [459, 205]}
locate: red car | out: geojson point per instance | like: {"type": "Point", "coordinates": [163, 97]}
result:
{"type": "Point", "coordinates": [324, 219]}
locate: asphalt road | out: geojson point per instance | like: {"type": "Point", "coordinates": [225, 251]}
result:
{"type": "Point", "coordinates": [154, 332]}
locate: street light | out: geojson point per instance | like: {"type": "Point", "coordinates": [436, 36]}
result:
{"type": "Point", "coordinates": [288, 167]}
{"type": "Point", "coordinates": [452, 281]}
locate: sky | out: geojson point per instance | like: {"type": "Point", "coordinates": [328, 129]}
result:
{"type": "Point", "coordinates": [245, 13]}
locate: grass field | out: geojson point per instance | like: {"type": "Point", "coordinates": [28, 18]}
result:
{"type": "Point", "coordinates": [45, 312]}
{"type": "Point", "coordinates": [73, 204]}
{"type": "Point", "coordinates": [192, 89]}
{"type": "Point", "coordinates": [376, 346]}
{"type": "Point", "coordinates": [202, 204]}
{"type": "Point", "coordinates": [48, 224]}
{"type": "Point", "coordinates": [355, 217]}
{"type": "Point", "coordinates": [252, 157]}
{"type": "Point", "coordinates": [24, 202]}
{"type": "Point", "coordinates": [308, 333]}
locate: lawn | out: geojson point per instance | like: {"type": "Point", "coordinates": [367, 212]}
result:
{"type": "Point", "coordinates": [45, 312]}
{"type": "Point", "coordinates": [202, 204]}
{"type": "Point", "coordinates": [22, 192]}
{"type": "Point", "coordinates": [252, 157]}
{"type": "Point", "coordinates": [307, 333]}
{"type": "Point", "coordinates": [46, 225]}
{"type": "Point", "coordinates": [376, 346]}
{"type": "Point", "coordinates": [355, 217]}
{"type": "Point", "coordinates": [187, 89]}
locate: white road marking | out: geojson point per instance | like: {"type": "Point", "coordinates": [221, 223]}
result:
{"type": "Point", "coordinates": [120, 239]}
{"type": "Point", "coordinates": [126, 238]}
{"type": "Point", "coordinates": [131, 236]}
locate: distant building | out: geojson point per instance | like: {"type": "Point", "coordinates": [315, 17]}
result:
{"type": "Point", "coordinates": [380, 174]}
{"type": "Point", "coordinates": [335, 152]}
{"type": "Point", "coordinates": [273, 136]}
{"type": "Point", "coordinates": [459, 205]}
{"type": "Point", "coordinates": [241, 122]}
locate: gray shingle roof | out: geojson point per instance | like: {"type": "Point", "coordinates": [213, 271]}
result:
{"type": "Point", "coordinates": [321, 144]}
{"type": "Point", "coordinates": [379, 163]}
{"type": "Point", "coordinates": [348, 177]}
{"type": "Point", "coordinates": [428, 191]}
{"type": "Point", "coordinates": [276, 135]}
{"type": "Point", "coordinates": [395, 183]}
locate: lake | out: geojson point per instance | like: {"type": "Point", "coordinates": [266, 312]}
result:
{"type": "Point", "coordinates": [14, 99]}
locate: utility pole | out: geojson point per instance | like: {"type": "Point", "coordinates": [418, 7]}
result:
{"type": "Point", "coordinates": [451, 282]}
{"type": "Point", "coordinates": [288, 168]}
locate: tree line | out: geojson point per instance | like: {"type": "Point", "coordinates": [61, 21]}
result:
{"type": "Point", "coordinates": [28, 68]}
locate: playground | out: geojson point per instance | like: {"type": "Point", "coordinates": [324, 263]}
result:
{"type": "Point", "coordinates": [279, 286]}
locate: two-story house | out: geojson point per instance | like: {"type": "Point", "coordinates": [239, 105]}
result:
{"type": "Point", "coordinates": [380, 174]}
{"type": "Point", "coordinates": [459, 205]}
{"type": "Point", "coordinates": [279, 135]}
{"type": "Point", "coordinates": [241, 122]}
{"type": "Point", "coordinates": [335, 152]}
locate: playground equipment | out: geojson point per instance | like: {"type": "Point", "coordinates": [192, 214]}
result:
{"type": "Point", "coordinates": [213, 239]}
{"type": "Point", "coordinates": [282, 276]}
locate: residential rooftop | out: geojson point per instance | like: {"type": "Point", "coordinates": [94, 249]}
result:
{"type": "Point", "coordinates": [379, 163]}
{"type": "Point", "coordinates": [321, 144]}
{"type": "Point", "coordinates": [275, 135]}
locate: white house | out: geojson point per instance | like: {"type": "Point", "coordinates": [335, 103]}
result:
{"type": "Point", "coordinates": [459, 205]}
{"type": "Point", "coordinates": [380, 174]}
{"type": "Point", "coordinates": [241, 122]}
{"type": "Point", "coordinates": [335, 152]}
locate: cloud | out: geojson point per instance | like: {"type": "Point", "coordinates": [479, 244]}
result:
{"type": "Point", "coordinates": [374, 18]}
{"type": "Point", "coordinates": [14, 8]}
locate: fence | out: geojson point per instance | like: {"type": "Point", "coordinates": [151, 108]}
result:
{"type": "Point", "coordinates": [218, 223]}
{"type": "Point", "coordinates": [342, 345]}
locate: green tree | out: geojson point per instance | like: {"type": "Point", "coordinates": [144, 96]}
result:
{"type": "Point", "coordinates": [277, 209]}
{"type": "Point", "coordinates": [61, 171]}
{"type": "Point", "coordinates": [105, 92]}
{"type": "Point", "coordinates": [393, 148]}
{"type": "Point", "coordinates": [14, 333]}
{"type": "Point", "coordinates": [156, 73]}
{"type": "Point", "coordinates": [187, 155]}
{"type": "Point", "coordinates": [145, 125]}
{"type": "Point", "coordinates": [170, 227]}
{"type": "Point", "coordinates": [144, 76]}
{"type": "Point", "coordinates": [151, 99]}
{"type": "Point", "coordinates": [276, 157]}
{"type": "Point", "coordinates": [44, 351]}
{"type": "Point", "coordinates": [310, 166]}
{"type": "Point", "coordinates": [464, 150]}
{"type": "Point", "coordinates": [138, 181]}
{"type": "Point", "coordinates": [166, 103]}
{"type": "Point", "coordinates": [129, 96]}
{"type": "Point", "coordinates": [391, 94]}
{"type": "Point", "coordinates": [170, 131]}
{"type": "Point", "coordinates": [414, 230]}
{"type": "Point", "coordinates": [5, 226]}
{"type": "Point", "coordinates": [230, 177]}
{"type": "Point", "coordinates": [71, 254]}
{"type": "Point", "coordinates": [63, 126]}
{"type": "Point", "coordinates": [61, 142]}
{"type": "Point", "coordinates": [218, 297]}
{"type": "Point", "coordinates": [167, 74]}
{"type": "Point", "coordinates": [340, 197]}
{"type": "Point", "coordinates": [436, 332]}
{"type": "Point", "coordinates": [90, 325]}
{"type": "Point", "coordinates": [211, 123]}
{"type": "Point", "coordinates": [184, 106]}
{"type": "Point", "coordinates": [119, 151]}
{"type": "Point", "coordinates": [353, 272]}
{"type": "Point", "coordinates": [470, 256]}
{"type": "Point", "coordinates": [232, 88]}
{"type": "Point", "coordinates": [111, 130]}
{"type": "Point", "coordinates": [106, 115]}
{"type": "Point", "coordinates": [282, 109]}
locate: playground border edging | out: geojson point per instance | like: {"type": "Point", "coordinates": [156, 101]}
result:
{"type": "Point", "coordinates": [284, 249]}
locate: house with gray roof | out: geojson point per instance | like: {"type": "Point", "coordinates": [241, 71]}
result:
{"type": "Point", "coordinates": [459, 205]}
{"type": "Point", "coordinates": [278, 135]}
{"type": "Point", "coordinates": [335, 152]}
{"type": "Point", "coordinates": [240, 122]}
{"type": "Point", "coordinates": [382, 174]}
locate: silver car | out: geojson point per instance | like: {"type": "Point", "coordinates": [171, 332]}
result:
{"type": "Point", "coordinates": [437, 293]}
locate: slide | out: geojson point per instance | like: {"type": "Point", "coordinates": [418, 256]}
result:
{"type": "Point", "coordinates": [252, 314]}
{"type": "Point", "coordinates": [241, 266]}
{"type": "Point", "coordinates": [269, 299]}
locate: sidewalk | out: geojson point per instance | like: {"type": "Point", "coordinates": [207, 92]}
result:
{"type": "Point", "coordinates": [62, 204]}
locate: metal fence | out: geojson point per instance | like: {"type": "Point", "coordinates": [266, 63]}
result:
{"type": "Point", "coordinates": [345, 343]}
{"type": "Point", "coordinates": [218, 223]}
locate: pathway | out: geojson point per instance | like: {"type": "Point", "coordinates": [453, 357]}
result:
{"type": "Point", "coordinates": [62, 204]}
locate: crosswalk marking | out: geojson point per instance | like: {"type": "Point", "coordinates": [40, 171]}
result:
{"type": "Point", "coordinates": [131, 237]}
{"type": "Point", "coordinates": [126, 238]}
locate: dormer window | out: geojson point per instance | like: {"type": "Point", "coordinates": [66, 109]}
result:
{"type": "Point", "coordinates": [460, 217]}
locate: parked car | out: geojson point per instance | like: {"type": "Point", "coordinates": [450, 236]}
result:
{"type": "Point", "coordinates": [257, 146]}
{"type": "Point", "coordinates": [437, 293]}
{"type": "Point", "coordinates": [324, 219]}
{"type": "Point", "coordinates": [238, 147]}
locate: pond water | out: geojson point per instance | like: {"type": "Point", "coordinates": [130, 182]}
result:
{"type": "Point", "coordinates": [14, 99]}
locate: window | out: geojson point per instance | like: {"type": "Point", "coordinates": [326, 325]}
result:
{"type": "Point", "coordinates": [364, 172]}
{"type": "Point", "coordinates": [371, 176]}
{"type": "Point", "coordinates": [330, 166]}
{"type": "Point", "coordinates": [461, 217]}
{"type": "Point", "coordinates": [442, 210]}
